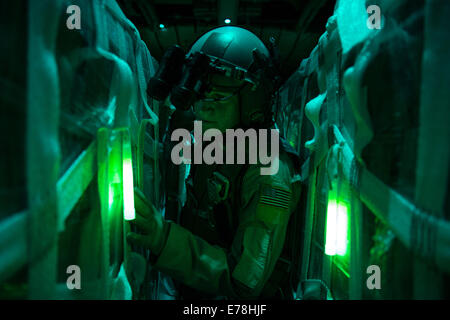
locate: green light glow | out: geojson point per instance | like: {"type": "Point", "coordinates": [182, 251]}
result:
{"type": "Point", "coordinates": [337, 225]}
{"type": "Point", "coordinates": [113, 185]}
{"type": "Point", "coordinates": [111, 196]}
{"type": "Point", "coordinates": [128, 190]}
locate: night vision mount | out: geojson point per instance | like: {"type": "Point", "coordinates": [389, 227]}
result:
{"type": "Point", "coordinates": [187, 79]}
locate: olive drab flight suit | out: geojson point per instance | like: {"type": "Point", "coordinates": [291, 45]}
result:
{"type": "Point", "coordinates": [231, 231]}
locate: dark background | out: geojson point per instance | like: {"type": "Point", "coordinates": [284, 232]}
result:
{"type": "Point", "coordinates": [296, 25]}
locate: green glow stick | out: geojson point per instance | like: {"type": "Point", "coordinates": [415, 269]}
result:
{"type": "Point", "coordinates": [337, 225]}
{"type": "Point", "coordinates": [128, 190]}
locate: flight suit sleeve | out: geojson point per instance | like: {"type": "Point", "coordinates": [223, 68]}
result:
{"type": "Point", "coordinates": [242, 271]}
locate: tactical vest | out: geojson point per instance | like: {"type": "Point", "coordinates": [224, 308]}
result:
{"type": "Point", "coordinates": [213, 199]}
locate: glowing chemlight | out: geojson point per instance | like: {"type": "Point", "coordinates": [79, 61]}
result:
{"type": "Point", "coordinates": [128, 190]}
{"type": "Point", "coordinates": [227, 21]}
{"type": "Point", "coordinates": [161, 26]}
{"type": "Point", "coordinates": [114, 182]}
{"type": "Point", "coordinates": [128, 194]}
{"type": "Point", "coordinates": [337, 224]}
{"type": "Point", "coordinates": [111, 196]}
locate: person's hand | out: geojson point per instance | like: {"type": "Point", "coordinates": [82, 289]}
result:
{"type": "Point", "coordinates": [150, 223]}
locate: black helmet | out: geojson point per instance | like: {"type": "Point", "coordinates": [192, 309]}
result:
{"type": "Point", "coordinates": [247, 63]}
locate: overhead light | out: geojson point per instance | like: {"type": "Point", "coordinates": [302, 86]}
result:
{"type": "Point", "coordinates": [227, 21]}
{"type": "Point", "coordinates": [161, 26]}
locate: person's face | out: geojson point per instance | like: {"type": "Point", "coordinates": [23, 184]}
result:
{"type": "Point", "coordinates": [220, 115]}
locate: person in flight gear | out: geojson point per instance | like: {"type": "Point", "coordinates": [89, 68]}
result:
{"type": "Point", "coordinates": [229, 238]}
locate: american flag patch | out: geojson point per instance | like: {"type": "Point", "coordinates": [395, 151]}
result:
{"type": "Point", "coordinates": [275, 197]}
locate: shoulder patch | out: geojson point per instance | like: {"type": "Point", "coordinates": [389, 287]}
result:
{"type": "Point", "coordinates": [275, 197]}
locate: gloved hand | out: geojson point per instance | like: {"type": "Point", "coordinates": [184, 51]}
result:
{"type": "Point", "coordinates": [153, 228]}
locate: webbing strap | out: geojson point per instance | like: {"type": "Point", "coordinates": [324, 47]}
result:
{"type": "Point", "coordinates": [434, 131]}
{"type": "Point", "coordinates": [433, 151]}
{"type": "Point", "coordinates": [42, 147]}
{"type": "Point", "coordinates": [142, 138]}
{"type": "Point", "coordinates": [107, 190]}
{"type": "Point", "coordinates": [74, 182]}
